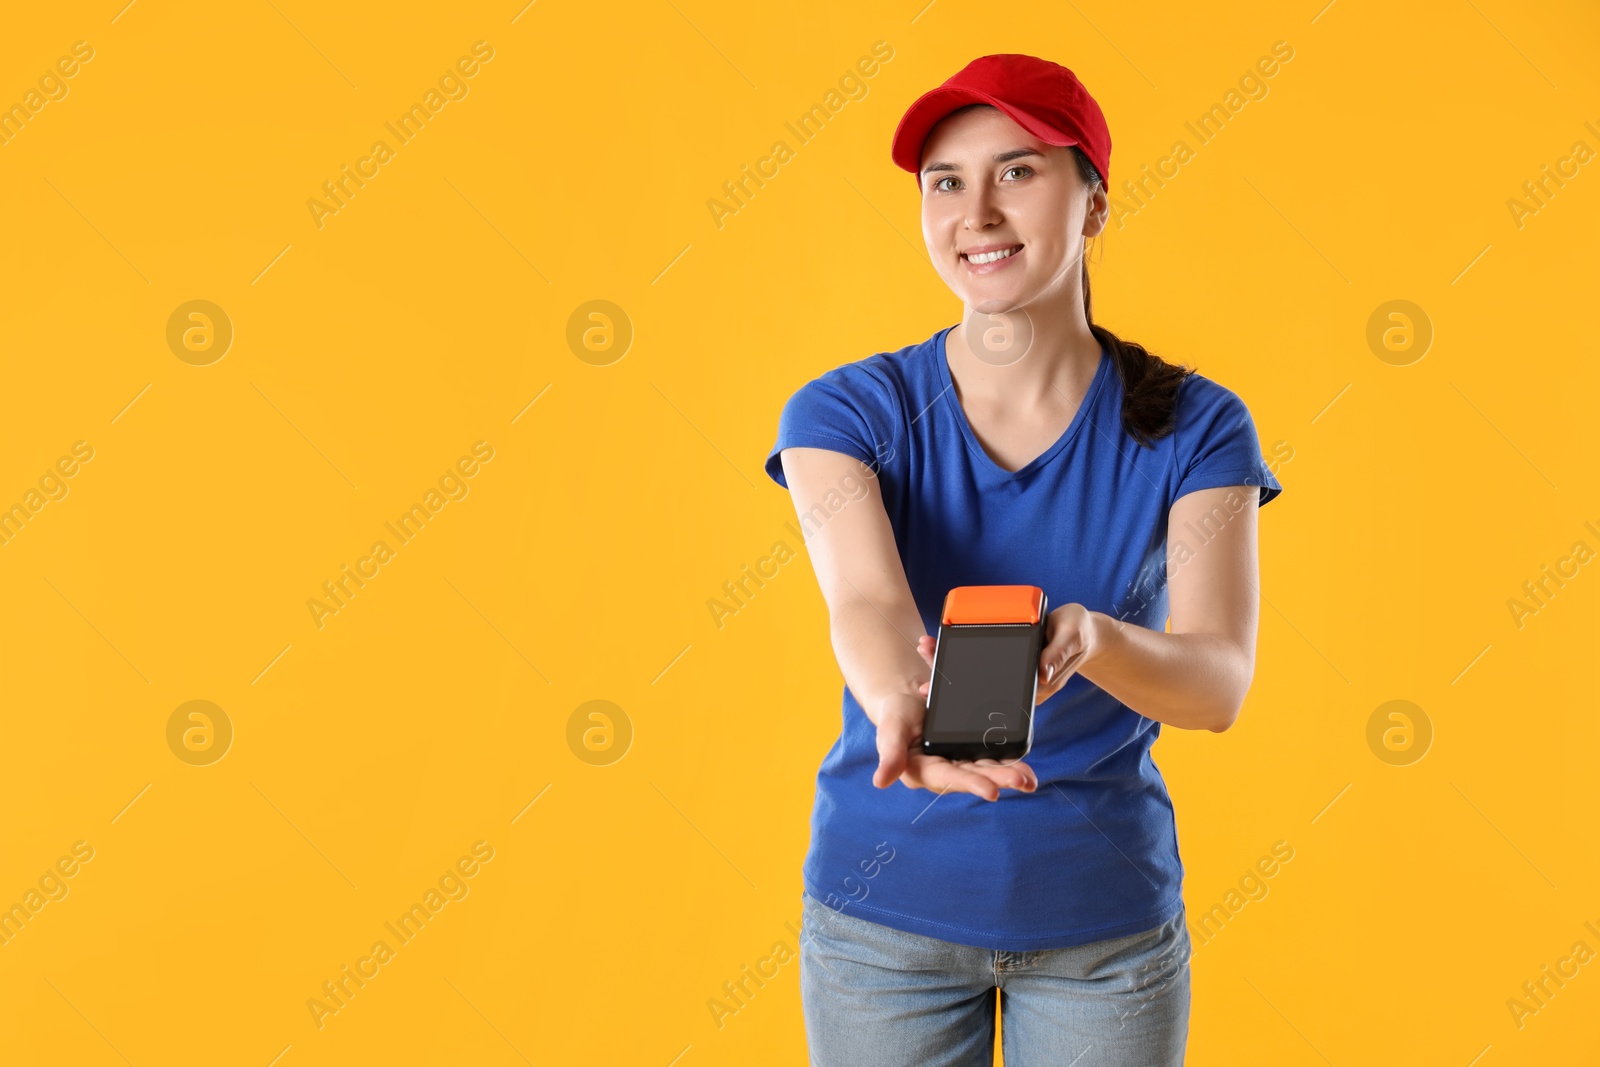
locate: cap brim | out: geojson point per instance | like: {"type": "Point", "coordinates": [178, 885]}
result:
{"type": "Point", "coordinates": [933, 106]}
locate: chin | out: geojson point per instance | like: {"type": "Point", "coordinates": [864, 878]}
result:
{"type": "Point", "coordinates": [996, 299]}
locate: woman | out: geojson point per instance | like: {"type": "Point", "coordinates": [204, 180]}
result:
{"type": "Point", "coordinates": [1029, 447]}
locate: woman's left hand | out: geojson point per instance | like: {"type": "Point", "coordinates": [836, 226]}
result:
{"type": "Point", "coordinates": [1071, 635]}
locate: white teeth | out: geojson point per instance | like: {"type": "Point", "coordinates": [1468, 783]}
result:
{"type": "Point", "coordinates": [991, 257]}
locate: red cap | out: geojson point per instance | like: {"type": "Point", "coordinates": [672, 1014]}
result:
{"type": "Point", "coordinates": [1042, 97]}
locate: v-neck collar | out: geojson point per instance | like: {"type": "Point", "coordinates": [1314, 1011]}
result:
{"type": "Point", "coordinates": [948, 392]}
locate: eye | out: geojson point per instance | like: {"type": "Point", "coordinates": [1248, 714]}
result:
{"type": "Point", "coordinates": [939, 187]}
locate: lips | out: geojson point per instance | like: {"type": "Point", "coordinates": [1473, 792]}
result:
{"type": "Point", "coordinates": [987, 253]}
{"type": "Point", "coordinates": [1004, 262]}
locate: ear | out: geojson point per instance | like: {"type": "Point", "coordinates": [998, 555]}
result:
{"type": "Point", "coordinates": [1099, 211]}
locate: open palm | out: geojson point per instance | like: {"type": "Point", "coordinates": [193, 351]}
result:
{"type": "Point", "coordinates": [900, 758]}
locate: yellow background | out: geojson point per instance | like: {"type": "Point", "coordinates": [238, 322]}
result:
{"type": "Point", "coordinates": [369, 754]}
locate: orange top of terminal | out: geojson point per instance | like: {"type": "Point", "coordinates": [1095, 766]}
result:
{"type": "Point", "coordinates": [968, 604]}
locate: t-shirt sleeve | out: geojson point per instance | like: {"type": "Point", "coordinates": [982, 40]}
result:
{"type": "Point", "coordinates": [849, 409]}
{"type": "Point", "coordinates": [1217, 443]}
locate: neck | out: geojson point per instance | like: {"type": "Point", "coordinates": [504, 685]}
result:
{"type": "Point", "coordinates": [1024, 358]}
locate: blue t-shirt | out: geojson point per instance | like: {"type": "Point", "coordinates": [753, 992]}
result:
{"type": "Point", "coordinates": [1093, 853]}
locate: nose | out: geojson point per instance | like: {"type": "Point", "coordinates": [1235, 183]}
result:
{"type": "Point", "coordinates": [983, 207]}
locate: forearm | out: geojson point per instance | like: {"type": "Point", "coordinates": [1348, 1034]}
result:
{"type": "Point", "coordinates": [875, 643]}
{"type": "Point", "coordinates": [1193, 681]}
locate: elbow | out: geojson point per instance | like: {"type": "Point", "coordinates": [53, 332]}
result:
{"type": "Point", "coordinates": [1225, 718]}
{"type": "Point", "coordinates": [1227, 713]}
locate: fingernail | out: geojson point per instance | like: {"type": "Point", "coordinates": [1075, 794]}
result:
{"type": "Point", "coordinates": [1050, 672]}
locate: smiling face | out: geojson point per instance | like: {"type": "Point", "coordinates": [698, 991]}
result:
{"type": "Point", "coordinates": [1004, 214]}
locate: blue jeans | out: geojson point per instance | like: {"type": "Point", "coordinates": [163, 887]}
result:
{"type": "Point", "coordinates": [874, 996]}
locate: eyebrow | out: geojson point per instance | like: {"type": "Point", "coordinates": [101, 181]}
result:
{"type": "Point", "coordinates": [1003, 157]}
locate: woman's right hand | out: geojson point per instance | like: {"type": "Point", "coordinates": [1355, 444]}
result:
{"type": "Point", "coordinates": [900, 758]}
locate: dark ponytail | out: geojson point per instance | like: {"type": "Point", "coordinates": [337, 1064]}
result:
{"type": "Point", "coordinates": [1149, 383]}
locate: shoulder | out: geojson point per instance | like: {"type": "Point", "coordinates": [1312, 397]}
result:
{"type": "Point", "coordinates": [876, 385]}
{"type": "Point", "coordinates": [1199, 396]}
{"type": "Point", "coordinates": [867, 376]}
{"type": "Point", "coordinates": [1206, 408]}
{"type": "Point", "coordinates": [856, 408]}
{"type": "Point", "coordinates": [1216, 440]}
{"type": "Point", "coordinates": [857, 392]}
